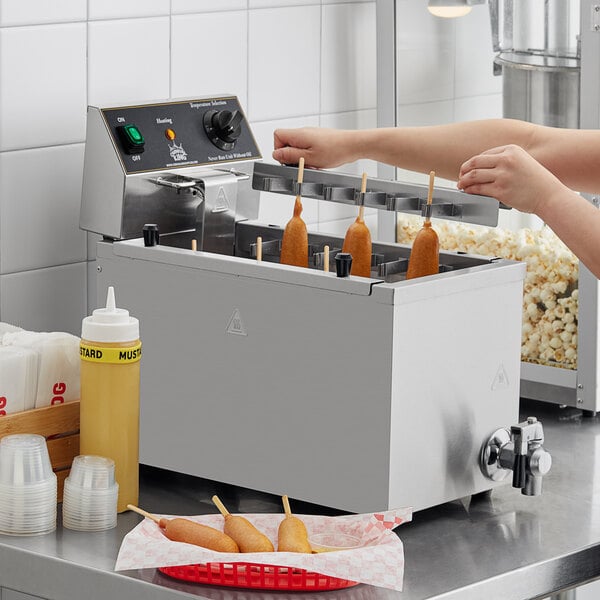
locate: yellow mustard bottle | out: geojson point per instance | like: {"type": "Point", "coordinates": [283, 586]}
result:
{"type": "Point", "coordinates": [110, 354]}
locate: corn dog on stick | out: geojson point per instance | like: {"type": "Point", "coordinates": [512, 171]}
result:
{"type": "Point", "coordinates": [190, 532]}
{"type": "Point", "coordinates": [425, 253]}
{"type": "Point", "coordinates": [294, 244]}
{"type": "Point", "coordinates": [292, 535]}
{"type": "Point", "coordinates": [358, 241]}
{"type": "Point", "coordinates": [247, 537]}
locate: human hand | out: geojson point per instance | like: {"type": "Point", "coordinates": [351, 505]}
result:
{"type": "Point", "coordinates": [511, 175]}
{"type": "Point", "coordinates": [321, 148]}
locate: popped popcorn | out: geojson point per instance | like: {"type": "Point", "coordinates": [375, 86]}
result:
{"type": "Point", "coordinates": [550, 294]}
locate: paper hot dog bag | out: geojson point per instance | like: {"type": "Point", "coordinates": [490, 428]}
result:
{"type": "Point", "coordinates": [379, 561]}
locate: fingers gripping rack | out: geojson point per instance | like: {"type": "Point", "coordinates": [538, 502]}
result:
{"type": "Point", "coordinates": [382, 194]}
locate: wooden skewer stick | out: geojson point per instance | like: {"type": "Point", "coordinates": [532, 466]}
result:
{"type": "Point", "coordinates": [194, 245]}
{"type": "Point", "coordinates": [259, 248]}
{"type": "Point", "coordinates": [286, 506]}
{"type": "Point", "coordinates": [143, 513]}
{"type": "Point", "coordinates": [220, 506]}
{"type": "Point", "coordinates": [430, 194]}
{"type": "Point", "coordinates": [363, 189]}
{"type": "Point", "coordinates": [300, 176]}
{"type": "Point", "coordinates": [326, 259]}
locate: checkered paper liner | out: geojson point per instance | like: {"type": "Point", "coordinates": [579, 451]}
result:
{"type": "Point", "coordinates": [379, 561]}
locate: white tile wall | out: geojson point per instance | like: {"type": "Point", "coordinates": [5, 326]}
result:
{"type": "Point", "coordinates": [34, 12]}
{"type": "Point", "coordinates": [425, 54]}
{"type": "Point", "coordinates": [52, 299]}
{"type": "Point", "coordinates": [199, 6]}
{"type": "Point", "coordinates": [128, 60]}
{"type": "Point", "coordinates": [42, 85]}
{"type": "Point", "coordinates": [39, 208]}
{"type": "Point", "coordinates": [203, 60]}
{"type": "Point", "coordinates": [348, 58]}
{"type": "Point", "coordinates": [284, 62]}
{"type": "Point", "coordinates": [121, 9]}
{"type": "Point", "coordinates": [279, 3]}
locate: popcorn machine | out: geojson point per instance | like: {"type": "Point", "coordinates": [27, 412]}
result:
{"type": "Point", "coordinates": [547, 55]}
{"type": "Point", "coordinates": [359, 393]}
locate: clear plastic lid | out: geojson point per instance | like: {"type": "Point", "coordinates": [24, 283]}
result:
{"type": "Point", "coordinates": [110, 324]}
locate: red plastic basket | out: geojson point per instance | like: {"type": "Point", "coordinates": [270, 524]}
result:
{"type": "Point", "coordinates": [257, 576]}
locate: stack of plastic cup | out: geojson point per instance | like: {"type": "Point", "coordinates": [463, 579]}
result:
{"type": "Point", "coordinates": [90, 494]}
{"type": "Point", "coordinates": [27, 486]}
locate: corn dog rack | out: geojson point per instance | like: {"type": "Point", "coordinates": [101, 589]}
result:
{"type": "Point", "coordinates": [350, 392]}
{"type": "Point", "coordinates": [381, 194]}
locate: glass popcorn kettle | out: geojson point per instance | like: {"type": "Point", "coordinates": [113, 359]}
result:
{"type": "Point", "coordinates": [538, 55]}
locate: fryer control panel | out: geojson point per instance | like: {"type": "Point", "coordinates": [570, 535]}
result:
{"type": "Point", "coordinates": [155, 137]}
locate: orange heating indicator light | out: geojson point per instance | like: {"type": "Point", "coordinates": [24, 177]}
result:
{"type": "Point", "coordinates": [170, 134]}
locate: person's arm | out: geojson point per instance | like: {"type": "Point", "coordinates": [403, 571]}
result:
{"type": "Point", "coordinates": [577, 223]}
{"type": "Point", "coordinates": [513, 176]}
{"type": "Point", "coordinates": [573, 155]}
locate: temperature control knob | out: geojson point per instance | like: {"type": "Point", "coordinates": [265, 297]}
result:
{"type": "Point", "coordinates": [223, 127]}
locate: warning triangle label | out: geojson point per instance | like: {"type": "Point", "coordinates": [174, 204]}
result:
{"type": "Point", "coordinates": [222, 202]}
{"type": "Point", "coordinates": [236, 325]}
{"type": "Point", "coordinates": [501, 380]}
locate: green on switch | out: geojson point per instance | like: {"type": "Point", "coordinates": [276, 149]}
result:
{"type": "Point", "coordinates": [132, 138]}
{"type": "Point", "coordinates": [134, 134]}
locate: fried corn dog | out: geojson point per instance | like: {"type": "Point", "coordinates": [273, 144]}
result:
{"type": "Point", "coordinates": [292, 535]}
{"type": "Point", "coordinates": [358, 241]}
{"type": "Point", "coordinates": [425, 253]}
{"type": "Point", "coordinates": [294, 244]}
{"type": "Point", "coordinates": [247, 537]}
{"type": "Point", "coordinates": [190, 532]}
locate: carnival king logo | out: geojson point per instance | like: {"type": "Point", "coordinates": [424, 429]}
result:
{"type": "Point", "coordinates": [177, 152]}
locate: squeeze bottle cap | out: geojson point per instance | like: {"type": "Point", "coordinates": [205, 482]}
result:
{"type": "Point", "coordinates": [110, 324]}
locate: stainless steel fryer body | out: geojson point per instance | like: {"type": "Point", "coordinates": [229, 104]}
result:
{"type": "Point", "coordinates": [352, 393]}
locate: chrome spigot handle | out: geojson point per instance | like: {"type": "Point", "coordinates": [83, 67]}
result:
{"type": "Point", "coordinates": [540, 462]}
{"type": "Point", "coordinates": [518, 450]}
{"type": "Point", "coordinates": [524, 434]}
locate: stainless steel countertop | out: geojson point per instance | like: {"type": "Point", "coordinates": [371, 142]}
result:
{"type": "Point", "coordinates": [502, 546]}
